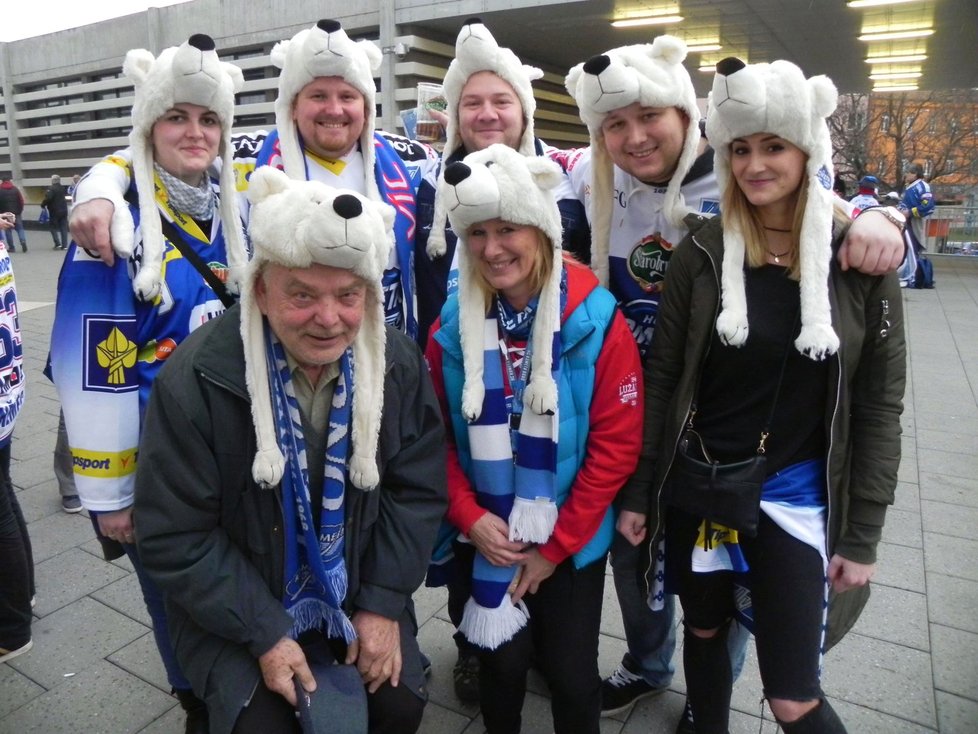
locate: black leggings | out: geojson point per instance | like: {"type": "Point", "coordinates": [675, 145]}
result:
{"type": "Point", "coordinates": [787, 587]}
{"type": "Point", "coordinates": [565, 620]}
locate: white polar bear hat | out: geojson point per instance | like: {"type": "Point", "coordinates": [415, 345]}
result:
{"type": "Point", "coordinates": [190, 73]}
{"type": "Point", "coordinates": [295, 224]}
{"type": "Point", "coordinates": [654, 76]}
{"type": "Point", "coordinates": [501, 183]}
{"type": "Point", "coordinates": [776, 98]}
{"type": "Point", "coordinates": [323, 51]}
{"type": "Point", "coordinates": [476, 50]}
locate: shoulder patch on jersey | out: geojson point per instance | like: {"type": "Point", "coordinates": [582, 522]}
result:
{"type": "Point", "coordinates": [110, 353]}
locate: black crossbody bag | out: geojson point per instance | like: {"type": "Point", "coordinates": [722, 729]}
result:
{"type": "Point", "coordinates": [723, 494]}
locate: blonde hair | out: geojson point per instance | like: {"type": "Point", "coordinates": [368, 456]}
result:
{"type": "Point", "coordinates": [738, 213]}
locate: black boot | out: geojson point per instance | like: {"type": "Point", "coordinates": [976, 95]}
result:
{"type": "Point", "coordinates": [197, 721]}
{"type": "Point", "coordinates": [820, 720]}
{"type": "Point", "coordinates": [709, 681]}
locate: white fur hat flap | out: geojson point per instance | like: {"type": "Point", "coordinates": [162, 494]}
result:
{"type": "Point", "coordinates": [500, 183]}
{"type": "Point", "coordinates": [325, 51]}
{"type": "Point", "coordinates": [651, 75]}
{"type": "Point", "coordinates": [776, 98]}
{"type": "Point", "coordinates": [297, 224]}
{"type": "Point", "coordinates": [190, 73]}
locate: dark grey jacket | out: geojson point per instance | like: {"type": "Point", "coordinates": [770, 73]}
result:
{"type": "Point", "coordinates": [862, 412]}
{"type": "Point", "coordinates": [213, 540]}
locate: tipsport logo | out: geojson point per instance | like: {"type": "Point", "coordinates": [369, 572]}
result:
{"type": "Point", "coordinates": [110, 354]}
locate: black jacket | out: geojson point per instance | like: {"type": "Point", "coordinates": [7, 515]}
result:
{"type": "Point", "coordinates": [11, 200]}
{"type": "Point", "coordinates": [213, 539]}
{"type": "Point", "coordinates": [55, 201]}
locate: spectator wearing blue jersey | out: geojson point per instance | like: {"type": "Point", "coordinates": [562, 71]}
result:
{"type": "Point", "coordinates": [115, 326]}
{"type": "Point", "coordinates": [917, 203]}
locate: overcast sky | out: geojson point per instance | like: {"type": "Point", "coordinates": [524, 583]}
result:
{"type": "Point", "coordinates": [26, 18]}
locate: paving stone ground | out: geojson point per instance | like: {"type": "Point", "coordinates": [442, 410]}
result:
{"type": "Point", "coordinates": [909, 666]}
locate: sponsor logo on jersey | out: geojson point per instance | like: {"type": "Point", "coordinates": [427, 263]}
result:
{"type": "Point", "coordinates": [103, 464]}
{"type": "Point", "coordinates": [110, 354]}
{"type": "Point", "coordinates": [219, 269]}
{"type": "Point", "coordinates": [157, 351]}
{"type": "Point", "coordinates": [709, 206]}
{"type": "Point", "coordinates": [647, 262]}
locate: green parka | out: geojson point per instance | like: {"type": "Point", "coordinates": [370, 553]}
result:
{"type": "Point", "coordinates": [867, 378]}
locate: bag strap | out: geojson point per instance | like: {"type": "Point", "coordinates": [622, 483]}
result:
{"type": "Point", "coordinates": [190, 254]}
{"type": "Point", "coordinates": [174, 236]}
{"type": "Point", "coordinates": [766, 430]}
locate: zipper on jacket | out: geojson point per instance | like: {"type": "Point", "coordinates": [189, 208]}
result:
{"type": "Point", "coordinates": [672, 456]}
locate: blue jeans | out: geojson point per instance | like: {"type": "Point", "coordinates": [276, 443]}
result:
{"type": "Point", "coordinates": [651, 635]}
{"type": "Point", "coordinates": [8, 235]}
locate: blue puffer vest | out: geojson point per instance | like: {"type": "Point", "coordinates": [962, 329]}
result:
{"type": "Point", "coordinates": [582, 336]}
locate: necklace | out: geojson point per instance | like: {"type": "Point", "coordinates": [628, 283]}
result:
{"type": "Point", "coordinates": [775, 229]}
{"type": "Point", "coordinates": [778, 255]}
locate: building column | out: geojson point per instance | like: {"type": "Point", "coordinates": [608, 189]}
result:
{"type": "Point", "coordinates": [388, 80]}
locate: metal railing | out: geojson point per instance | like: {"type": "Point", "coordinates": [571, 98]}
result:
{"type": "Point", "coordinates": [953, 230]}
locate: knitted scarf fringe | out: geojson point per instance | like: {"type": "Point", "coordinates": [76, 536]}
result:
{"type": "Point", "coordinates": [490, 628]}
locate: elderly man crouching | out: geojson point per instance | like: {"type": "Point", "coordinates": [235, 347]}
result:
{"type": "Point", "coordinates": [292, 473]}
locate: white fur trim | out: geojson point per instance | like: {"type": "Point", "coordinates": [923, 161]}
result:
{"type": "Point", "coordinates": [296, 224]}
{"type": "Point", "coordinates": [325, 50]}
{"type": "Point", "coordinates": [190, 73]}
{"type": "Point", "coordinates": [490, 628]}
{"type": "Point", "coordinates": [776, 98]}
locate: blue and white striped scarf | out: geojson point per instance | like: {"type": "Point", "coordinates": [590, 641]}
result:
{"type": "Point", "coordinates": [520, 489]}
{"type": "Point", "coordinates": [315, 569]}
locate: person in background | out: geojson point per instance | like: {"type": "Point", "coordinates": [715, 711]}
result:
{"type": "Point", "coordinates": [530, 486]}
{"type": "Point", "coordinates": [917, 203]}
{"type": "Point", "coordinates": [56, 205]}
{"type": "Point", "coordinates": [868, 195]}
{"type": "Point", "coordinates": [115, 327]}
{"type": "Point", "coordinates": [17, 567]}
{"type": "Point", "coordinates": [292, 473]}
{"type": "Point", "coordinates": [779, 314]}
{"type": "Point", "coordinates": [12, 202]}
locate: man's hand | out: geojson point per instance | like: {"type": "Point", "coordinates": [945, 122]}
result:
{"type": "Point", "coordinates": [7, 220]}
{"type": "Point", "coordinates": [377, 649]}
{"type": "Point", "coordinates": [632, 526]}
{"type": "Point", "coordinates": [283, 662]}
{"type": "Point", "coordinates": [845, 574]}
{"type": "Point", "coordinates": [536, 569]}
{"type": "Point", "coordinates": [490, 533]}
{"type": "Point", "coordinates": [89, 225]}
{"type": "Point", "coordinates": [873, 245]}
{"type": "Point", "coordinates": [117, 525]}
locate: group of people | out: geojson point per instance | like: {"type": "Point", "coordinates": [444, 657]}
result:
{"type": "Point", "coordinates": [252, 420]}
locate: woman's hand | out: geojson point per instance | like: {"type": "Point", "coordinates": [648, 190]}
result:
{"type": "Point", "coordinates": [536, 569]}
{"type": "Point", "coordinates": [490, 533]}
{"type": "Point", "coordinates": [845, 574]}
{"type": "Point", "coordinates": [117, 525]}
{"type": "Point", "coordinates": [632, 525]}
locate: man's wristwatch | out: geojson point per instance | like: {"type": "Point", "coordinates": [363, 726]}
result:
{"type": "Point", "coordinates": [892, 213]}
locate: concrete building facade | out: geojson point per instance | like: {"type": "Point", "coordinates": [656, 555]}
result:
{"type": "Point", "coordinates": [66, 104]}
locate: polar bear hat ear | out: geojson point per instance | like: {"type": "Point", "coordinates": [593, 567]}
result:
{"type": "Point", "coordinates": [500, 183]}
{"type": "Point", "coordinates": [298, 224]}
{"type": "Point", "coordinates": [651, 75]}
{"type": "Point", "coordinates": [323, 51]}
{"type": "Point", "coordinates": [191, 73]}
{"type": "Point", "coordinates": [777, 99]}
